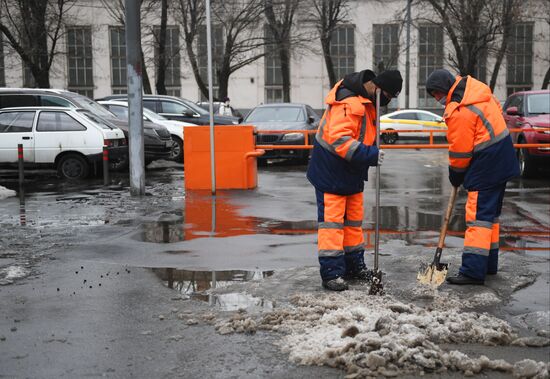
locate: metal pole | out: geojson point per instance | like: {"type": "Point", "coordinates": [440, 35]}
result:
{"type": "Point", "coordinates": [20, 164]}
{"type": "Point", "coordinates": [210, 108]}
{"type": "Point", "coordinates": [105, 165]}
{"type": "Point", "coordinates": [377, 186]}
{"type": "Point", "coordinates": [135, 105]}
{"type": "Point", "coordinates": [22, 211]}
{"type": "Point", "coordinates": [408, 62]}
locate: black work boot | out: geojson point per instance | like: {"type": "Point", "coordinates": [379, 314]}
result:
{"type": "Point", "coordinates": [460, 279]}
{"type": "Point", "coordinates": [337, 284]}
{"type": "Point", "coordinates": [364, 275]}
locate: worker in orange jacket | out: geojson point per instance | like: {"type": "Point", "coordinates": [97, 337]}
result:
{"type": "Point", "coordinates": [483, 159]}
{"type": "Point", "coordinates": [344, 148]}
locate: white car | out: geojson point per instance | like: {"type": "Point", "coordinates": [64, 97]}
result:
{"type": "Point", "coordinates": [120, 109]}
{"type": "Point", "coordinates": [410, 119]}
{"type": "Point", "coordinates": [71, 140]}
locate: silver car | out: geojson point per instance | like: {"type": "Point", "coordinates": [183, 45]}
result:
{"type": "Point", "coordinates": [279, 124]}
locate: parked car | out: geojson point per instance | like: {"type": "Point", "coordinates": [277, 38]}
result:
{"type": "Point", "coordinates": [221, 109]}
{"type": "Point", "coordinates": [529, 111]}
{"type": "Point", "coordinates": [157, 141]}
{"type": "Point", "coordinates": [70, 140]}
{"type": "Point", "coordinates": [176, 108]}
{"type": "Point", "coordinates": [410, 119]}
{"type": "Point", "coordinates": [282, 117]}
{"type": "Point", "coordinates": [120, 109]}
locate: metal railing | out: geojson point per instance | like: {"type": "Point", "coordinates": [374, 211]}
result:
{"type": "Point", "coordinates": [430, 145]}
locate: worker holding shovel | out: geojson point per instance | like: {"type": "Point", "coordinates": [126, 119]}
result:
{"type": "Point", "coordinates": [483, 159]}
{"type": "Point", "coordinates": [344, 148]}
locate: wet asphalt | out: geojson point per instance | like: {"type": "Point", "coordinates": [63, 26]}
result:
{"type": "Point", "coordinates": [97, 283]}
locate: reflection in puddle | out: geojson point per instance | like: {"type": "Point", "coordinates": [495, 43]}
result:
{"type": "Point", "coordinates": [199, 285]}
{"type": "Point", "coordinates": [204, 216]}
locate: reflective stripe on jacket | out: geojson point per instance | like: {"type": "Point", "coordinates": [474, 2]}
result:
{"type": "Point", "coordinates": [479, 141]}
{"type": "Point", "coordinates": [343, 148]}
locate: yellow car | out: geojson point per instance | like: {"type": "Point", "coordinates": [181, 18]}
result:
{"type": "Point", "coordinates": [410, 119]}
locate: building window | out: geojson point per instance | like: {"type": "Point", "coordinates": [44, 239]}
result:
{"type": "Point", "coordinates": [273, 74]}
{"type": "Point", "coordinates": [79, 58]}
{"type": "Point", "coordinates": [217, 54]}
{"type": "Point", "coordinates": [386, 51]}
{"type": "Point", "coordinates": [2, 67]}
{"type": "Point", "coordinates": [118, 60]}
{"type": "Point", "coordinates": [172, 77]}
{"type": "Point", "coordinates": [520, 58]}
{"type": "Point", "coordinates": [430, 58]}
{"type": "Point", "coordinates": [342, 50]}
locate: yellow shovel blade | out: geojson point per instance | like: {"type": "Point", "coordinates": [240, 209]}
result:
{"type": "Point", "coordinates": [432, 276]}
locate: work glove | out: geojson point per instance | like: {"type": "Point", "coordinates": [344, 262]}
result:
{"type": "Point", "coordinates": [380, 157]}
{"type": "Point", "coordinates": [456, 178]}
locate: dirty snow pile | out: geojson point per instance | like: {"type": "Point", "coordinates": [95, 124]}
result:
{"type": "Point", "coordinates": [10, 273]}
{"type": "Point", "coordinates": [380, 336]}
{"type": "Point", "coordinates": [5, 193]}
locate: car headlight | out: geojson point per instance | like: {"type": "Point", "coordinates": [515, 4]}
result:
{"type": "Point", "coordinates": [540, 129]}
{"type": "Point", "coordinates": [292, 136]}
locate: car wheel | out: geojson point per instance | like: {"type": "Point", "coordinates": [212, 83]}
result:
{"type": "Point", "coordinates": [73, 167]}
{"type": "Point", "coordinates": [527, 167]}
{"type": "Point", "coordinates": [177, 150]}
{"type": "Point", "coordinates": [389, 138]}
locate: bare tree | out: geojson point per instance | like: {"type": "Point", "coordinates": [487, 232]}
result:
{"type": "Point", "coordinates": [508, 15]}
{"type": "Point", "coordinates": [33, 28]}
{"type": "Point", "coordinates": [327, 15]}
{"type": "Point", "coordinates": [192, 17]}
{"type": "Point", "coordinates": [280, 16]}
{"type": "Point", "coordinates": [117, 12]}
{"type": "Point", "coordinates": [243, 37]}
{"type": "Point", "coordinates": [475, 28]}
{"type": "Point", "coordinates": [241, 44]}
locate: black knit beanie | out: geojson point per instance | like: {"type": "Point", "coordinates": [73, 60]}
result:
{"type": "Point", "coordinates": [389, 81]}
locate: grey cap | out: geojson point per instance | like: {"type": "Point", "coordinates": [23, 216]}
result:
{"type": "Point", "coordinates": [440, 80]}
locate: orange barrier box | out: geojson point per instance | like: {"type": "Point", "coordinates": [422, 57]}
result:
{"type": "Point", "coordinates": [235, 155]}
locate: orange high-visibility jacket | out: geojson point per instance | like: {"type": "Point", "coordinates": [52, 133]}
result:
{"type": "Point", "coordinates": [343, 148]}
{"type": "Point", "coordinates": [479, 141]}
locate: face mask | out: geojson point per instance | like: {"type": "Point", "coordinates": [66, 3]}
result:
{"type": "Point", "coordinates": [443, 101]}
{"type": "Point", "coordinates": [384, 100]}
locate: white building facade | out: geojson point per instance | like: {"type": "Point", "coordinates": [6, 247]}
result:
{"type": "Point", "coordinates": [92, 59]}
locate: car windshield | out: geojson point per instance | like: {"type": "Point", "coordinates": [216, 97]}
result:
{"type": "Point", "coordinates": [276, 114]}
{"type": "Point", "coordinates": [538, 103]}
{"type": "Point", "coordinates": [92, 106]}
{"type": "Point", "coordinates": [195, 107]}
{"type": "Point", "coordinates": [98, 120]}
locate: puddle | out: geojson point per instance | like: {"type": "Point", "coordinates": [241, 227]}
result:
{"type": "Point", "coordinates": [218, 217]}
{"type": "Point", "coordinates": [199, 285]}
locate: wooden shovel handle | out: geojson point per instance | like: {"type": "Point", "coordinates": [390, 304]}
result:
{"type": "Point", "coordinates": [448, 213]}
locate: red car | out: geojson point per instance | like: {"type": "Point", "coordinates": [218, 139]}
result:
{"type": "Point", "coordinates": [529, 110]}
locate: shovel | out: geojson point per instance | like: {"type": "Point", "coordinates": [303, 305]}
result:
{"type": "Point", "coordinates": [435, 273]}
{"type": "Point", "coordinates": [376, 287]}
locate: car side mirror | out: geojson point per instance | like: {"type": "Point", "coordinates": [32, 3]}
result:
{"type": "Point", "coordinates": [240, 120]}
{"type": "Point", "coordinates": [188, 113]}
{"type": "Point", "coordinates": [513, 111]}
{"type": "Point", "coordinates": [310, 120]}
